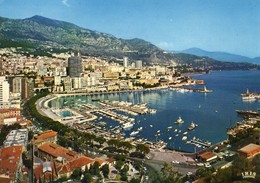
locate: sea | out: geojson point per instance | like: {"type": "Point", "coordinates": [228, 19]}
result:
{"type": "Point", "coordinates": [213, 112]}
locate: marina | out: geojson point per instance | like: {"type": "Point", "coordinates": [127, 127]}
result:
{"type": "Point", "coordinates": [169, 107]}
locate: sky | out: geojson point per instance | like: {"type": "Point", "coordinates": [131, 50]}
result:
{"type": "Point", "coordinates": [214, 25]}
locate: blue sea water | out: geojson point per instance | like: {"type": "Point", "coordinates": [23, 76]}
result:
{"type": "Point", "coordinates": [213, 112]}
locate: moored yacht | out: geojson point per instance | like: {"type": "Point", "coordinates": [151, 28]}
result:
{"type": "Point", "coordinates": [127, 125]}
{"type": "Point", "coordinates": [179, 121]}
{"type": "Point", "coordinates": [192, 126]}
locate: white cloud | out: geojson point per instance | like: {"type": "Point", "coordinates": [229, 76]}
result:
{"type": "Point", "coordinates": [65, 2]}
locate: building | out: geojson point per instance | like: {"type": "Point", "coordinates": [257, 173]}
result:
{"type": "Point", "coordinates": [4, 93]}
{"type": "Point", "coordinates": [75, 66]}
{"type": "Point", "coordinates": [125, 62]}
{"type": "Point", "coordinates": [17, 138]}
{"type": "Point", "coordinates": [11, 163]}
{"type": "Point", "coordinates": [250, 150]}
{"type": "Point", "coordinates": [51, 151]}
{"type": "Point", "coordinates": [138, 64]}
{"type": "Point", "coordinates": [7, 113]}
{"type": "Point", "coordinates": [45, 136]}
{"type": "Point", "coordinates": [208, 157]}
{"type": "Point", "coordinates": [24, 86]}
{"type": "Point", "coordinates": [65, 160]}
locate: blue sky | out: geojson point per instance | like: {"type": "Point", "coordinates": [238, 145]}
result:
{"type": "Point", "coordinates": [214, 25]}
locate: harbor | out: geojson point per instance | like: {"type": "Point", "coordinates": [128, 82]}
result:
{"type": "Point", "coordinates": [169, 106]}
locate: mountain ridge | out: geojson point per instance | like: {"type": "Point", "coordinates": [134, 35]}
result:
{"type": "Point", "coordinates": [41, 33]}
{"type": "Point", "coordinates": [221, 56]}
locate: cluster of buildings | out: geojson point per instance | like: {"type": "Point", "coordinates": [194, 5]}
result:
{"type": "Point", "coordinates": [51, 163]}
{"type": "Point", "coordinates": [21, 76]}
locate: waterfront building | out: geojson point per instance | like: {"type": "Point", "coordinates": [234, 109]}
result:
{"type": "Point", "coordinates": [75, 66]}
{"type": "Point", "coordinates": [4, 93]}
{"type": "Point", "coordinates": [208, 157]}
{"type": "Point", "coordinates": [76, 82]}
{"type": "Point", "coordinates": [138, 64]}
{"type": "Point", "coordinates": [57, 80]}
{"type": "Point", "coordinates": [67, 84]}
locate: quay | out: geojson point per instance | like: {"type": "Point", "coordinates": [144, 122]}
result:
{"type": "Point", "coordinates": [205, 144]}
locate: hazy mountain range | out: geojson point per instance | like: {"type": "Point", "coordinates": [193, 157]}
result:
{"type": "Point", "coordinates": [41, 35]}
{"type": "Point", "coordinates": [221, 56]}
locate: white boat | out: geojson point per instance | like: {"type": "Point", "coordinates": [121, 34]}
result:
{"type": "Point", "coordinates": [169, 127]}
{"type": "Point", "coordinates": [192, 126]}
{"type": "Point", "coordinates": [158, 131]}
{"type": "Point", "coordinates": [248, 96]}
{"type": "Point", "coordinates": [175, 130]}
{"type": "Point", "coordinates": [184, 138]}
{"type": "Point", "coordinates": [127, 125]}
{"type": "Point", "coordinates": [185, 133]}
{"type": "Point", "coordinates": [177, 135]}
{"type": "Point", "coordinates": [140, 128]}
{"type": "Point", "coordinates": [133, 133]}
{"type": "Point", "coordinates": [151, 126]}
{"type": "Point", "coordinates": [170, 138]}
{"type": "Point", "coordinates": [179, 121]}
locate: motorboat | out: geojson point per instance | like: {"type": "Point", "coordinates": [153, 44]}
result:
{"type": "Point", "coordinates": [127, 125]}
{"type": "Point", "coordinates": [179, 121]}
{"type": "Point", "coordinates": [192, 126]}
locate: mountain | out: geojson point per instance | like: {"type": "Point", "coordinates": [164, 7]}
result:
{"type": "Point", "coordinates": [222, 56]}
{"type": "Point", "coordinates": [49, 32]}
{"type": "Point", "coordinates": [42, 36]}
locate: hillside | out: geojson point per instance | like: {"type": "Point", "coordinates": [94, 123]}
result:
{"type": "Point", "coordinates": [40, 35]}
{"type": "Point", "coordinates": [221, 56]}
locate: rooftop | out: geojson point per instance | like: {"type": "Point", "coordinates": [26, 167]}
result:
{"type": "Point", "coordinates": [56, 150]}
{"type": "Point", "coordinates": [249, 148]}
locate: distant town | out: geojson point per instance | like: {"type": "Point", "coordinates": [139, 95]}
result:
{"type": "Point", "coordinates": [39, 144]}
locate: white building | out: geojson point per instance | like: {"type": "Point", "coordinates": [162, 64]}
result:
{"type": "Point", "coordinates": [125, 62]}
{"type": "Point", "coordinates": [138, 64]}
{"type": "Point", "coordinates": [4, 93]}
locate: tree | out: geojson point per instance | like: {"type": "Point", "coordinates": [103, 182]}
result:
{"type": "Point", "coordinates": [105, 170]}
{"type": "Point", "coordinates": [119, 164]}
{"type": "Point", "coordinates": [94, 169]}
{"type": "Point", "coordinates": [142, 148]}
{"type": "Point", "coordinates": [100, 140]}
{"type": "Point", "coordinates": [135, 180]}
{"type": "Point", "coordinates": [76, 174]}
{"type": "Point", "coordinates": [87, 178]}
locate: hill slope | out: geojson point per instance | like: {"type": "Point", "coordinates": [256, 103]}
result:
{"type": "Point", "coordinates": [222, 56]}
{"type": "Point", "coordinates": [40, 33]}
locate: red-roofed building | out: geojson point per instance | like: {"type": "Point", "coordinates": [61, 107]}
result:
{"type": "Point", "coordinates": [10, 163]}
{"type": "Point", "coordinates": [45, 171]}
{"type": "Point", "coordinates": [45, 136]}
{"type": "Point", "coordinates": [66, 169]}
{"type": "Point", "coordinates": [51, 151]}
{"type": "Point", "coordinates": [250, 150]}
{"type": "Point", "coordinates": [208, 156]}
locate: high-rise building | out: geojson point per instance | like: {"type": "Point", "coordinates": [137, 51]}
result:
{"type": "Point", "coordinates": [125, 62]}
{"type": "Point", "coordinates": [4, 93]}
{"type": "Point", "coordinates": [24, 86]}
{"type": "Point", "coordinates": [138, 64]}
{"type": "Point", "coordinates": [75, 66]}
